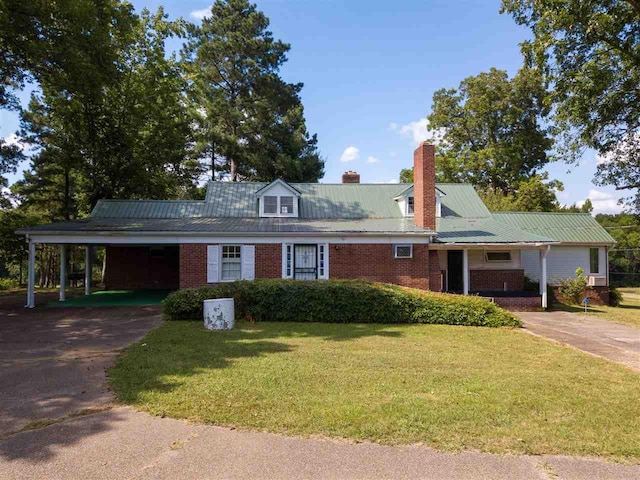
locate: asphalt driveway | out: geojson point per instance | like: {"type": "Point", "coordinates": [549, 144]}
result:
{"type": "Point", "coordinates": [58, 421]}
{"type": "Point", "coordinates": [613, 341]}
{"type": "Point", "coordinates": [53, 361]}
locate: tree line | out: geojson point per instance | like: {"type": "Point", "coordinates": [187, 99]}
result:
{"type": "Point", "coordinates": [114, 114]}
{"type": "Point", "coordinates": [577, 89]}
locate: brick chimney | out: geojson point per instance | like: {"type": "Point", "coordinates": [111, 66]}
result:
{"type": "Point", "coordinates": [350, 177]}
{"type": "Point", "coordinates": [424, 186]}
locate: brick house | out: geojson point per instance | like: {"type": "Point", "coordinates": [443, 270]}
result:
{"type": "Point", "coordinates": [425, 235]}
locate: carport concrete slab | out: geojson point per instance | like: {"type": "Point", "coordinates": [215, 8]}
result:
{"type": "Point", "coordinates": [616, 342]}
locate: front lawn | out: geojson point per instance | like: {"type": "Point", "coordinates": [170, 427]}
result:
{"type": "Point", "coordinates": [451, 387]}
{"type": "Point", "coordinates": [628, 312]}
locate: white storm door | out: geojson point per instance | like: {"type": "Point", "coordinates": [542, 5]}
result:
{"type": "Point", "coordinates": [305, 266]}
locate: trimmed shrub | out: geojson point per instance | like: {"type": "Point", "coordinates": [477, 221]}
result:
{"type": "Point", "coordinates": [339, 301]}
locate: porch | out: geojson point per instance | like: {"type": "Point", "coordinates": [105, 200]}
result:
{"type": "Point", "coordinates": [492, 271]}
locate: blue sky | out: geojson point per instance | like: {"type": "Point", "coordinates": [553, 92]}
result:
{"type": "Point", "coordinates": [370, 69]}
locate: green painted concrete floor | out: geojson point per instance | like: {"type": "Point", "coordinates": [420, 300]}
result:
{"type": "Point", "coordinates": [115, 298]}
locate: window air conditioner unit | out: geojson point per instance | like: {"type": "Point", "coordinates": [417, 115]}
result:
{"type": "Point", "coordinates": [597, 281]}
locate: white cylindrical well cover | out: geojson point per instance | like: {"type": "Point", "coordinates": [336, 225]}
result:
{"type": "Point", "coordinates": [219, 314]}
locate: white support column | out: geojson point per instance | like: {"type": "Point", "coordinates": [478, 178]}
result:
{"type": "Point", "coordinates": [465, 271]}
{"type": "Point", "coordinates": [31, 276]}
{"type": "Point", "coordinates": [63, 272]}
{"type": "Point", "coordinates": [87, 270]}
{"type": "Point", "coordinates": [543, 276]}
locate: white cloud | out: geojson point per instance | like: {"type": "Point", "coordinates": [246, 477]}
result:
{"type": "Point", "coordinates": [603, 202]}
{"type": "Point", "coordinates": [16, 140]}
{"type": "Point", "coordinates": [350, 154]}
{"type": "Point", "coordinates": [200, 14]}
{"type": "Point", "coordinates": [417, 131]}
{"type": "Point", "coordinates": [371, 159]}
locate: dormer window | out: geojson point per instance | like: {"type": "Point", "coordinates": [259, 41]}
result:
{"type": "Point", "coordinates": [286, 205]}
{"type": "Point", "coordinates": [409, 207]}
{"type": "Point", "coordinates": [270, 204]}
{"type": "Point", "coordinates": [278, 199]}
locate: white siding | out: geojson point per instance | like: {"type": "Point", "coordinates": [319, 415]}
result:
{"type": "Point", "coordinates": [562, 263]}
{"type": "Point", "coordinates": [477, 261]}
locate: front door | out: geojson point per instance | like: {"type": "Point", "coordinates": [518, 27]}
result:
{"type": "Point", "coordinates": [454, 271]}
{"type": "Point", "coordinates": [305, 263]}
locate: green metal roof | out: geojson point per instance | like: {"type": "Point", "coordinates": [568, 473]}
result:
{"type": "Point", "coordinates": [562, 227]}
{"type": "Point", "coordinates": [232, 207]}
{"type": "Point", "coordinates": [482, 230]}
{"type": "Point", "coordinates": [317, 201]}
{"type": "Point", "coordinates": [461, 200]}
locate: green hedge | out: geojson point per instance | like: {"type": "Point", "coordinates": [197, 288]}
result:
{"type": "Point", "coordinates": [339, 301]}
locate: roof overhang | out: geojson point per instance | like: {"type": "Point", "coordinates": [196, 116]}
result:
{"type": "Point", "coordinates": [145, 238]}
{"type": "Point", "coordinates": [458, 246]}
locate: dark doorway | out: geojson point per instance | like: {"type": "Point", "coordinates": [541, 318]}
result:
{"type": "Point", "coordinates": [454, 270]}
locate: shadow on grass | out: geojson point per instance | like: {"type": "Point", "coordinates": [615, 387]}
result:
{"type": "Point", "coordinates": [181, 349]}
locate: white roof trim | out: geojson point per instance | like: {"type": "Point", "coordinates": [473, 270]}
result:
{"type": "Point", "coordinates": [264, 190]}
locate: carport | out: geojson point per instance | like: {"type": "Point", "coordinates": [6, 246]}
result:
{"type": "Point", "coordinates": [133, 262]}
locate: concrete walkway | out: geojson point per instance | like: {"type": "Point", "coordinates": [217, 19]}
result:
{"type": "Point", "coordinates": [123, 444]}
{"type": "Point", "coordinates": [57, 421]}
{"type": "Point", "coordinates": [613, 341]}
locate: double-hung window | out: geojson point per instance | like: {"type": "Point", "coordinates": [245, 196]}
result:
{"type": "Point", "coordinates": [409, 206]}
{"type": "Point", "coordinates": [286, 205]}
{"type": "Point", "coordinates": [594, 260]}
{"type": "Point", "coordinates": [270, 204]}
{"type": "Point", "coordinates": [231, 263]}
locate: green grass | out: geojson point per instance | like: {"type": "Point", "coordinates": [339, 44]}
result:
{"type": "Point", "coordinates": [627, 313]}
{"type": "Point", "coordinates": [114, 298]}
{"type": "Point", "coordinates": [632, 290]}
{"type": "Point", "coordinates": [497, 390]}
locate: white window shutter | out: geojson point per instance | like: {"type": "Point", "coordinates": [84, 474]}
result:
{"type": "Point", "coordinates": [323, 256]}
{"type": "Point", "coordinates": [213, 261]}
{"type": "Point", "coordinates": [287, 260]}
{"type": "Point", "coordinates": [248, 258]}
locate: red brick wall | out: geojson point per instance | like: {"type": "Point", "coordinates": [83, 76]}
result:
{"type": "Point", "coordinates": [494, 279]}
{"type": "Point", "coordinates": [436, 277]}
{"type": "Point", "coordinates": [597, 295]}
{"type": "Point", "coordinates": [376, 262]}
{"type": "Point", "coordinates": [424, 186]}
{"type": "Point", "coordinates": [520, 304]}
{"type": "Point", "coordinates": [193, 263]}
{"type": "Point", "coordinates": [269, 260]}
{"type": "Point", "coordinates": [135, 268]}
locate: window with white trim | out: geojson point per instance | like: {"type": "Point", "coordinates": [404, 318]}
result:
{"type": "Point", "coordinates": [594, 260]}
{"type": "Point", "coordinates": [286, 205]}
{"type": "Point", "coordinates": [403, 251]}
{"type": "Point", "coordinates": [409, 206]}
{"type": "Point", "coordinates": [231, 263]}
{"type": "Point", "coordinates": [497, 256]}
{"type": "Point", "coordinates": [322, 254]}
{"type": "Point", "coordinates": [270, 204]}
